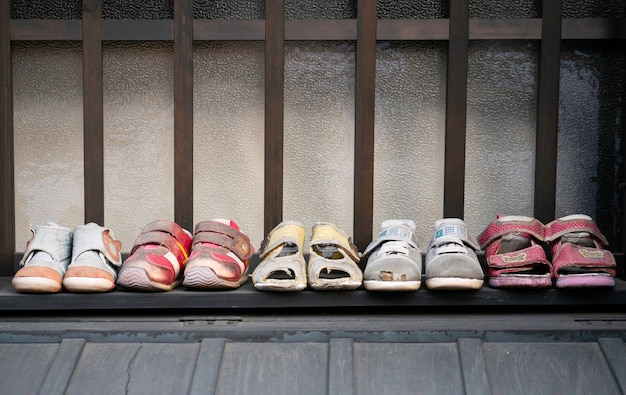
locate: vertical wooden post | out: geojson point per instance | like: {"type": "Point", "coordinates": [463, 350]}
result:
{"type": "Point", "coordinates": [548, 112]}
{"type": "Point", "coordinates": [274, 111]}
{"type": "Point", "coordinates": [7, 181]}
{"type": "Point", "coordinates": [93, 111]}
{"type": "Point", "coordinates": [456, 109]}
{"type": "Point", "coordinates": [183, 113]}
{"type": "Point", "coordinates": [365, 102]}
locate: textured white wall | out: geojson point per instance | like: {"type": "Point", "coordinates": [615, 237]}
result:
{"type": "Point", "coordinates": [319, 134]}
{"type": "Point", "coordinates": [48, 123]}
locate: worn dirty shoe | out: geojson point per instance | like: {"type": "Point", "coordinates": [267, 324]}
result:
{"type": "Point", "coordinates": [394, 260]}
{"type": "Point", "coordinates": [219, 256]}
{"type": "Point", "coordinates": [451, 261]}
{"type": "Point", "coordinates": [96, 258]}
{"type": "Point", "coordinates": [45, 260]}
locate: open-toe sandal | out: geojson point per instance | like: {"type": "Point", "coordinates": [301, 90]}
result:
{"type": "Point", "coordinates": [515, 258]}
{"type": "Point", "coordinates": [333, 260]}
{"type": "Point", "coordinates": [579, 256]}
{"type": "Point", "coordinates": [282, 266]}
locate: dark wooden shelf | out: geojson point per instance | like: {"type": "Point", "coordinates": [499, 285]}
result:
{"type": "Point", "coordinates": [247, 297]}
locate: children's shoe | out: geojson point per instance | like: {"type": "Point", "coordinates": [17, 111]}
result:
{"type": "Point", "coordinates": [579, 256]}
{"type": "Point", "coordinates": [157, 258]}
{"type": "Point", "coordinates": [333, 260]}
{"type": "Point", "coordinates": [282, 266]}
{"type": "Point", "coordinates": [47, 255]}
{"type": "Point", "coordinates": [96, 259]}
{"type": "Point", "coordinates": [515, 259]}
{"type": "Point", "coordinates": [394, 260]}
{"type": "Point", "coordinates": [451, 261]}
{"type": "Point", "coordinates": [219, 256]}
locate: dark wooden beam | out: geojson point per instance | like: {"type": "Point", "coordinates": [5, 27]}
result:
{"type": "Point", "coordinates": [274, 112]}
{"type": "Point", "coordinates": [547, 112]}
{"type": "Point", "coordinates": [322, 29]}
{"type": "Point", "coordinates": [364, 99]}
{"type": "Point", "coordinates": [593, 28]}
{"type": "Point", "coordinates": [137, 30]}
{"type": "Point", "coordinates": [93, 111]}
{"type": "Point", "coordinates": [7, 181]}
{"type": "Point", "coordinates": [183, 113]}
{"type": "Point", "coordinates": [44, 30]}
{"type": "Point", "coordinates": [413, 29]}
{"type": "Point", "coordinates": [237, 29]}
{"type": "Point", "coordinates": [456, 107]}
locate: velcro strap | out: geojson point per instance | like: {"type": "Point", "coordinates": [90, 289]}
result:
{"type": "Point", "coordinates": [329, 234]}
{"type": "Point", "coordinates": [497, 229]}
{"type": "Point", "coordinates": [393, 233]}
{"type": "Point", "coordinates": [164, 239]}
{"type": "Point", "coordinates": [169, 227]}
{"type": "Point", "coordinates": [95, 238]}
{"type": "Point", "coordinates": [285, 232]}
{"type": "Point", "coordinates": [453, 233]}
{"type": "Point", "coordinates": [224, 236]}
{"type": "Point", "coordinates": [557, 228]}
{"type": "Point", "coordinates": [521, 258]}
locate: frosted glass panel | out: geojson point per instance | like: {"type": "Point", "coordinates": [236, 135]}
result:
{"type": "Point", "coordinates": [319, 133]}
{"type": "Point", "coordinates": [229, 134]}
{"type": "Point", "coordinates": [138, 137]}
{"type": "Point", "coordinates": [48, 130]}
{"type": "Point", "coordinates": [501, 116]}
{"type": "Point", "coordinates": [409, 134]}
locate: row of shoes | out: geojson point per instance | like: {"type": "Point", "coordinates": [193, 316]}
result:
{"type": "Point", "coordinates": [216, 256]}
{"type": "Point", "coordinates": [393, 261]}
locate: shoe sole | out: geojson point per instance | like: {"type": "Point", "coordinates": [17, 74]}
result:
{"type": "Point", "coordinates": [277, 286]}
{"type": "Point", "coordinates": [204, 277]}
{"type": "Point", "coordinates": [372, 285]}
{"type": "Point", "coordinates": [585, 282]}
{"type": "Point", "coordinates": [520, 282]}
{"type": "Point", "coordinates": [87, 284]}
{"type": "Point", "coordinates": [137, 278]}
{"type": "Point", "coordinates": [36, 285]}
{"type": "Point", "coordinates": [454, 283]}
{"type": "Point", "coordinates": [334, 285]}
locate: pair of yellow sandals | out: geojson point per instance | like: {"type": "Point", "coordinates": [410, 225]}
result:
{"type": "Point", "coordinates": [332, 264]}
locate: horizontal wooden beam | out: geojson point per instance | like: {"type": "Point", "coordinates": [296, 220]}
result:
{"type": "Point", "coordinates": [319, 29]}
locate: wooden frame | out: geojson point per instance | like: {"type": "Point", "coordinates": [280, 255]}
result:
{"type": "Point", "coordinates": [274, 30]}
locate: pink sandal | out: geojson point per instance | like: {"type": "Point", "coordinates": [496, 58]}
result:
{"type": "Point", "coordinates": [579, 256]}
{"type": "Point", "coordinates": [514, 257]}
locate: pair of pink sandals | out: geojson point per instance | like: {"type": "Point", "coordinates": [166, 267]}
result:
{"type": "Point", "coordinates": [516, 257]}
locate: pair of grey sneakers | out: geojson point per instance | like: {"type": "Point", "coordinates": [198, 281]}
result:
{"type": "Point", "coordinates": [394, 259]}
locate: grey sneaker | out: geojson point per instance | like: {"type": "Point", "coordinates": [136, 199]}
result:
{"type": "Point", "coordinates": [394, 260]}
{"type": "Point", "coordinates": [96, 259]}
{"type": "Point", "coordinates": [451, 261]}
{"type": "Point", "coordinates": [45, 260]}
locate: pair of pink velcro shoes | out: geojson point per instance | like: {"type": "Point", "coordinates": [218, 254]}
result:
{"type": "Point", "coordinates": [516, 257]}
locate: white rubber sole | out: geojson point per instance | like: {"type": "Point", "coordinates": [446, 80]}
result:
{"type": "Point", "coordinates": [453, 283]}
{"type": "Point", "coordinates": [87, 284]}
{"type": "Point", "coordinates": [374, 285]}
{"type": "Point", "coordinates": [280, 286]}
{"type": "Point", "coordinates": [36, 285]}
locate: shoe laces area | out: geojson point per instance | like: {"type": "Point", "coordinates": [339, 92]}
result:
{"type": "Point", "coordinates": [394, 248]}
